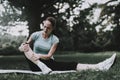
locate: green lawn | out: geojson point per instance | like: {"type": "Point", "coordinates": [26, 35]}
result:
{"type": "Point", "coordinates": [19, 62]}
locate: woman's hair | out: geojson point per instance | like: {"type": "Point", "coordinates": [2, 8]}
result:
{"type": "Point", "coordinates": [52, 20]}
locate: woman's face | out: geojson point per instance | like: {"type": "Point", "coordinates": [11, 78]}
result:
{"type": "Point", "coordinates": [47, 27]}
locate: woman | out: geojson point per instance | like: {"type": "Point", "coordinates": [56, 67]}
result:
{"type": "Point", "coordinates": [45, 44]}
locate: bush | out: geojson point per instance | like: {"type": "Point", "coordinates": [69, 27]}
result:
{"type": "Point", "coordinates": [9, 44]}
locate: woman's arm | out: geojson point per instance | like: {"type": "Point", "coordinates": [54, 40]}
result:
{"type": "Point", "coordinates": [46, 56]}
{"type": "Point", "coordinates": [29, 40]}
{"type": "Point", "coordinates": [50, 53]}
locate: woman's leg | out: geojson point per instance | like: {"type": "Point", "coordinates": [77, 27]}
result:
{"type": "Point", "coordinates": [60, 66]}
{"type": "Point", "coordinates": [81, 67]}
{"type": "Point", "coordinates": [29, 55]}
{"type": "Point", "coordinates": [32, 66]}
{"type": "Point", "coordinates": [39, 66]}
{"type": "Point", "coordinates": [102, 66]}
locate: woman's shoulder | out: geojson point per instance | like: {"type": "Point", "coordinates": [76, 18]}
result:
{"type": "Point", "coordinates": [54, 36]}
{"type": "Point", "coordinates": [37, 32]}
{"type": "Point", "coordinates": [55, 39]}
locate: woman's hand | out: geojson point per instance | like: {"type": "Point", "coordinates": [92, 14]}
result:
{"type": "Point", "coordinates": [26, 47]}
{"type": "Point", "coordinates": [40, 56]}
{"type": "Point", "coordinates": [36, 56]}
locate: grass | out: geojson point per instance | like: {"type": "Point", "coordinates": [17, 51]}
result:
{"type": "Point", "coordinates": [19, 62]}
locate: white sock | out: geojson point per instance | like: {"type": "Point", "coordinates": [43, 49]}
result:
{"type": "Point", "coordinates": [43, 67]}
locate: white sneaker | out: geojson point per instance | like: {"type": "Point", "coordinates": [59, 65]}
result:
{"type": "Point", "coordinates": [106, 64]}
{"type": "Point", "coordinates": [46, 70]}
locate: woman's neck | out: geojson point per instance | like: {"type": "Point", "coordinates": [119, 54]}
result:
{"type": "Point", "coordinates": [45, 36]}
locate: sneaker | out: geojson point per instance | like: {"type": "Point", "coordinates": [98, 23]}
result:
{"type": "Point", "coordinates": [106, 64]}
{"type": "Point", "coordinates": [46, 70]}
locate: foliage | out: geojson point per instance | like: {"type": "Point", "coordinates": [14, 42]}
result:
{"type": "Point", "coordinates": [10, 14]}
{"type": "Point", "coordinates": [9, 44]}
{"type": "Point", "coordinates": [111, 13]}
{"type": "Point", "coordinates": [74, 26]}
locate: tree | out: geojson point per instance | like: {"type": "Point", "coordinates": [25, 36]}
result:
{"type": "Point", "coordinates": [34, 11]}
{"type": "Point", "coordinates": [74, 25]}
{"type": "Point", "coordinates": [111, 13]}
